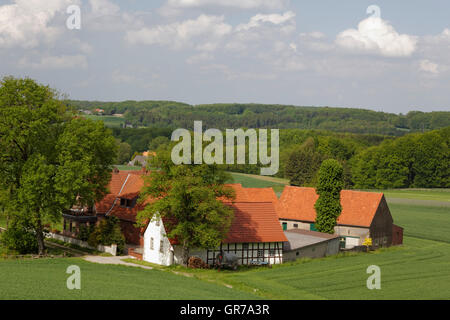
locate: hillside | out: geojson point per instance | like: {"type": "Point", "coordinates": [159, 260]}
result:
{"type": "Point", "coordinates": [181, 115]}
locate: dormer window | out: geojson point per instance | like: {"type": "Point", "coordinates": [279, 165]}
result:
{"type": "Point", "coordinates": [128, 203]}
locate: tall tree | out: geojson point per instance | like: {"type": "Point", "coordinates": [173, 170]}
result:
{"type": "Point", "coordinates": [303, 164]}
{"type": "Point", "coordinates": [328, 205]}
{"type": "Point", "coordinates": [187, 199]}
{"type": "Point", "coordinates": [123, 153]}
{"type": "Point", "coordinates": [50, 159]}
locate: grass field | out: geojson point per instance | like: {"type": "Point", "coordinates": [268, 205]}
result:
{"type": "Point", "coordinates": [254, 181]}
{"type": "Point", "coordinates": [46, 279]}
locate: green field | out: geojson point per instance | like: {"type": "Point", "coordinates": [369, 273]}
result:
{"type": "Point", "coordinates": [254, 181]}
{"type": "Point", "coordinates": [46, 279]}
{"type": "Point", "coordinates": [420, 269]}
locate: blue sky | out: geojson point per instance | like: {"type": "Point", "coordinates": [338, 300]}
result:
{"type": "Point", "coordinates": [321, 53]}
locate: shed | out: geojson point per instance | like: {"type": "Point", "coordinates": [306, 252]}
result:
{"type": "Point", "coordinates": [311, 244]}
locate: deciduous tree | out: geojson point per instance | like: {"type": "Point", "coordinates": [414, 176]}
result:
{"type": "Point", "coordinates": [328, 205]}
{"type": "Point", "coordinates": [186, 198]}
{"type": "Point", "coordinates": [49, 159]}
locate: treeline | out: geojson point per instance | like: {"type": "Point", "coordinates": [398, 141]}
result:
{"type": "Point", "coordinates": [221, 116]}
{"type": "Point", "coordinates": [412, 161]}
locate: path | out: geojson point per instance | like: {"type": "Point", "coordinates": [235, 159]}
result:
{"type": "Point", "coordinates": [114, 260]}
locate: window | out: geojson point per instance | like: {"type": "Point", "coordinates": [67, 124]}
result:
{"type": "Point", "coordinates": [151, 243]}
{"type": "Point", "coordinates": [161, 246]}
{"type": "Point", "coordinates": [129, 203]}
{"type": "Point", "coordinates": [297, 253]}
{"type": "Point", "coordinates": [245, 246]}
{"type": "Point", "coordinates": [271, 252]}
{"type": "Point", "coordinates": [157, 223]}
{"type": "Point", "coordinates": [260, 253]}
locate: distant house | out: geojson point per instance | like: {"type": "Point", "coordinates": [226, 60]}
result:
{"type": "Point", "coordinates": [139, 161]}
{"type": "Point", "coordinates": [364, 215]}
{"type": "Point", "coordinates": [142, 160]}
{"type": "Point", "coordinates": [310, 244]}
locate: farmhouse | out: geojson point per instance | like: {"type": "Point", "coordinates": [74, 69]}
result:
{"type": "Point", "coordinates": [364, 215]}
{"type": "Point", "coordinates": [121, 202]}
{"type": "Point", "coordinates": [255, 236]}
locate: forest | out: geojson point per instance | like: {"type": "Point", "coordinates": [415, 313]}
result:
{"type": "Point", "coordinates": [161, 114]}
{"type": "Point", "coordinates": [377, 150]}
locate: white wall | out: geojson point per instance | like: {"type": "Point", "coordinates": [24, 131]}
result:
{"type": "Point", "coordinates": [158, 234]}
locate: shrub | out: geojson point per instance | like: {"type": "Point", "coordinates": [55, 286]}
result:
{"type": "Point", "coordinates": [19, 237]}
{"type": "Point", "coordinates": [106, 233]}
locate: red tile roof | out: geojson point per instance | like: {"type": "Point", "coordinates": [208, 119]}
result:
{"type": "Point", "coordinates": [254, 222]}
{"type": "Point", "coordinates": [261, 195]}
{"type": "Point", "coordinates": [123, 184]}
{"type": "Point", "coordinates": [358, 208]}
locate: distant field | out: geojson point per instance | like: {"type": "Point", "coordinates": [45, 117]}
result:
{"type": "Point", "coordinates": [255, 181]}
{"type": "Point", "coordinates": [419, 194]}
{"type": "Point", "coordinates": [110, 121]}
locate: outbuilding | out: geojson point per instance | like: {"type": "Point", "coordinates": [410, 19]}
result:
{"type": "Point", "coordinates": [309, 244]}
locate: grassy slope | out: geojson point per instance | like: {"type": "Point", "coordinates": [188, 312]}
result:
{"type": "Point", "coordinates": [46, 279]}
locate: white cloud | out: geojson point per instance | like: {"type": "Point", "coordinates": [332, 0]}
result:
{"type": "Point", "coordinates": [26, 22]}
{"type": "Point", "coordinates": [242, 4]}
{"type": "Point", "coordinates": [56, 62]}
{"type": "Point", "coordinates": [274, 18]}
{"type": "Point", "coordinates": [428, 66]}
{"type": "Point", "coordinates": [203, 33]}
{"type": "Point", "coordinates": [375, 35]}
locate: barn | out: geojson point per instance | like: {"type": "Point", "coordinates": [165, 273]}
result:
{"type": "Point", "coordinates": [364, 215]}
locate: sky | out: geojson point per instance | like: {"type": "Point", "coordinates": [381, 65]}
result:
{"type": "Point", "coordinates": [391, 56]}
